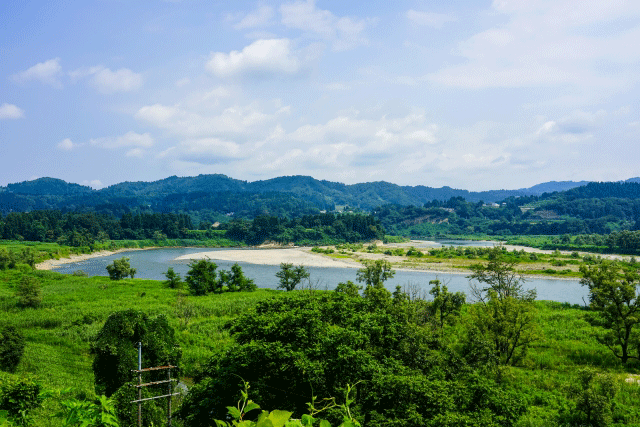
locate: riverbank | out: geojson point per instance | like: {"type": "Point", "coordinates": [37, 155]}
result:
{"type": "Point", "coordinates": [50, 264]}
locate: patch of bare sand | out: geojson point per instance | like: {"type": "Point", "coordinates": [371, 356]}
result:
{"type": "Point", "coordinates": [297, 256]}
{"type": "Point", "coordinates": [53, 263]}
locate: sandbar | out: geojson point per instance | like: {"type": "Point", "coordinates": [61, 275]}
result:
{"type": "Point", "coordinates": [53, 263]}
{"type": "Point", "coordinates": [296, 256]}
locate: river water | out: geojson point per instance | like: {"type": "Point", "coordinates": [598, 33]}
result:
{"type": "Point", "coordinates": [153, 263]}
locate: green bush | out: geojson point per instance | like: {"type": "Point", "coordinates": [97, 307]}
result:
{"type": "Point", "coordinates": [19, 395]}
{"type": "Point", "coordinates": [116, 354]}
{"type": "Point", "coordinates": [28, 292]}
{"type": "Point", "coordinates": [11, 348]}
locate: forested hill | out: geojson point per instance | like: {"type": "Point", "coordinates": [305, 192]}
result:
{"type": "Point", "coordinates": [215, 196]}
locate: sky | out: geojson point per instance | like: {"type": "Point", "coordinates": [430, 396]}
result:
{"type": "Point", "coordinates": [475, 95]}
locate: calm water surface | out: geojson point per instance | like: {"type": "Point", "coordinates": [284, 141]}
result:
{"type": "Point", "coordinates": [153, 263]}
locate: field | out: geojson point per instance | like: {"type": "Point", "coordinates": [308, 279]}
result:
{"type": "Point", "coordinates": [59, 334]}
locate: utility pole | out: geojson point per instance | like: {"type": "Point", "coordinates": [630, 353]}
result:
{"type": "Point", "coordinates": [139, 386]}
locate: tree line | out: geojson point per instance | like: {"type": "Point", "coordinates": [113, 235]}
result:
{"type": "Point", "coordinates": [83, 229]}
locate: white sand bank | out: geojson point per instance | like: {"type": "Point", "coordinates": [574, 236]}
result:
{"type": "Point", "coordinates": [296, 256]}
{"type": "Point", "coordinates": [52, 263]}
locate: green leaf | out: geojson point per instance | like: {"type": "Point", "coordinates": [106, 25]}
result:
{"type": "Point", "coordinates": [325, 423]}
{"type": "Point", "coordinates": [234, 412]}
{"type": "Point", "coordinates": [307, 420]}
{"type": "Point", "coordinates": [251, 406]}
{"type": "Point", "coordinates": [278, 417]}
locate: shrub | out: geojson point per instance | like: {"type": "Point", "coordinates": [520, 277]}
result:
{"type": "Point", "coordinates": [11, 348]}
{"type": "Point", "coordinates": [19, 395]}
{"type": "Point", "coordinates": [115, 348]}
{"type": "Point", "coordinates": [120, 269]}
{"type": "Point", "coordinates": [28, 292]}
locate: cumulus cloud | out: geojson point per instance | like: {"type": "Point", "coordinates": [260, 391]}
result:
{"type": "Point", "coordinates": [107, 81]}
{"type": "Point", "coordinates": [262, 57]}
{"type": "Point", "coordinates": [130, 139]}
{"type": "Point", "coordinates": [47, 72]}
{"type": "Point", "coordinates": [258, 18]}
{"type": "Point", "coordinates": [343, 32]}
{"type": "Point", "coordinates": [10, 111]}
{"type": "Point", "coordinates": [429, 19]}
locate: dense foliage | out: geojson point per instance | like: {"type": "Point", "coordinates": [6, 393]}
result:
{"type": "Point", "coordinates": [86, 229]}
{"type": "Point", "coordinates": [293, 348]}
{"type": "Point", "coordinates": [11, 347]}
{"type": "Point", "coordinates": [116, 352]}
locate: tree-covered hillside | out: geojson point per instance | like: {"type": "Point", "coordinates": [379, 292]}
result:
{"type": "Point", "coordinates": [209, 196]}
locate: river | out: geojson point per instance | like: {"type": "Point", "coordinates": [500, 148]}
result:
{"type": "Point", "coordinates": [153, 263]}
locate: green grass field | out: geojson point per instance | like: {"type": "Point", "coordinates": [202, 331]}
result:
{"type": "Point", "coordinates": [73, 309]}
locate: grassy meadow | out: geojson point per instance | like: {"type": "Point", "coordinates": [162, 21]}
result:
{"type": "Point", "coordinates": [74, 308]}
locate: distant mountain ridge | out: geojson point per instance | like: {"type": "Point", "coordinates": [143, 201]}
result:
{"type": "Point", "coordinates": [303, 193]}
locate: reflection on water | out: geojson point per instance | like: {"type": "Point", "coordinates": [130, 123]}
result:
{"type": "Point", "coordinates": [153, 263]}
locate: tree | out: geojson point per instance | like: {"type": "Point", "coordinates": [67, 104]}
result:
{"type": "Point", "coordinates": [445, 303]}
{"type": "Point", "coordinates": [115, 348]}
{"type": "Point", "coordinates": [202, 278]}
{"type": "Point", "coordinates": [238, 282]}
{"type": "Point", "coordinates": [500, 276]}
{"type": "Point", "coordinates": [28, 292]}
{"type": "Point", "coordinates": [291, 276]}
{"type": "Point", "coordinates": [505, 314]}
{"type": "Point", "coordinates": [120, 269]}
{"type": "Point", "coordinates": [614, 296]}
{"type": "Point", "coordinates": [173, 279]}
{"type": "Point", "coordinates": [11, 348]}
{"type": "Point", "coordinates": [375, 273]}
{"type": "Point", "coordinates": [594, 394]}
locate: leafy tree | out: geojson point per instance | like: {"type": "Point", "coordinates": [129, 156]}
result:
{"type": "Point", "coordinates": [375, 273]}
{"type": "Point", "coordinates": [29, 256]}
{"type": "Point", "coordinates": [28, 292]}
{"type": "Point", "coordinates": [11, 348]}
{"type": "Point", "coordinates": [238, 282]}
{"type": "Point", "coordinates": [202, 277]}
{"type": "Point", "coordinates": [174, 280]}
{"type": "Point", "coordinates": [120, 269]}
{"type": "Point", "coordinates": [594, 394]}
{"type": "Point", "coordinates": [349, 288]}
{"type": "Point", "coordinates": [291, 276]}
{"type": "Point", "coordinates": [505, 314]}
{"type": "Point", "coordinates": [445, 304]}
{"type": "Point", "coordinates": [498, 275]}
{"type": "Point", "coordinates": [116, 353]}
{"type": "Point", "coordinates": [614, 296]}
{"type": "Point", "coordinates": [298, 346]}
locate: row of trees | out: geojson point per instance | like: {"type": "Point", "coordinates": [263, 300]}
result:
{"type": "Point", "coordinates": [81, 229]}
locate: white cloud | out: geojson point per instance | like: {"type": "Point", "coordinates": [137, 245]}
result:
{"type": "Point", "coordinates": [551, 43]}
{"type": "Point", "coordinates": [10, 111]}
{"type": "Point", "coordinates": [344, 33]}
{"type": "Point", "coordinates": [429, 19]}
{"type": "Point", "coordinates": [67, 145]}
{"type": "Point", "coordinates": [94, 183]}
{"type": "Point", "coordinates": [122, 80]}
{"type": "Point", "coordinates": [130, 139]}
{"type": "Point", "coordinates": [239, 121]}
{"type": "Point", "coordinates": [258, 18]}
{"type": "Point", "coordinates": [47, 72]}
{"type": "Point", "coordinates": [107, 81]}
{"type": "Point", "coordinates": [262, 57]}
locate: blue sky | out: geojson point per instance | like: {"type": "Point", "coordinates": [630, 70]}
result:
{"type": "Point", "coordinates": [476, 95]}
